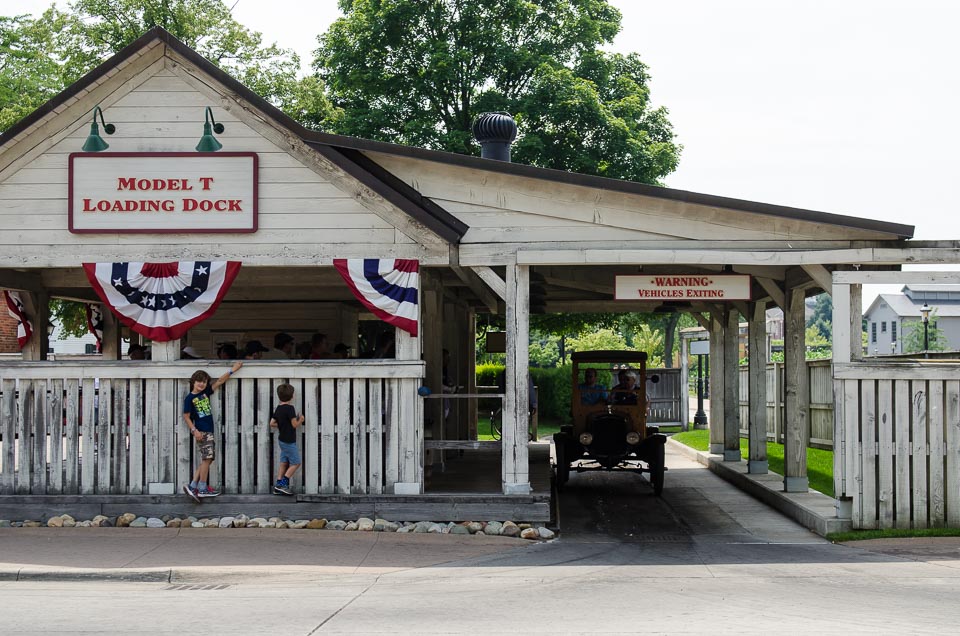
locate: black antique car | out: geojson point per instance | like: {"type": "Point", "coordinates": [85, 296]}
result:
{"type": "Point", "coordinates": [609, 429]}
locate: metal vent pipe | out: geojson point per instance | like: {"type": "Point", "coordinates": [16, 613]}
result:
{"type": "Point", "coordinates": [495, 132]}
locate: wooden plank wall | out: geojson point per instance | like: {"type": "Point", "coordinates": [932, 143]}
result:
{"type": "Point", "coordinates": [902, 450]}
{"type": "Point", "coordinates": [820, 432]}
{"type": "Point", "coordinates": [119, 435]}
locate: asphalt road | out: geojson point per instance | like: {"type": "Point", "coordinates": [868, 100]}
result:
{"type": "Point", "coordinates": [704, 558]}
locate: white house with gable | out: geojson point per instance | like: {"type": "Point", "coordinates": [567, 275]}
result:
{"type": "Point", "coordinates": [891, 317]}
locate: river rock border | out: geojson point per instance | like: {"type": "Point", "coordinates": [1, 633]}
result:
{"type": "Point", "coordinates": [363, 524]}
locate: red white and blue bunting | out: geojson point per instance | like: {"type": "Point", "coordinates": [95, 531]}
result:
{"type": "Point", "coordinates": [95, 324]}
{"type": "Point", "coordinates": [162, 301]}
{"type": "Point", "coordinates": [15, 309]}
{"type": "Point", "coordinates": [387, 287]}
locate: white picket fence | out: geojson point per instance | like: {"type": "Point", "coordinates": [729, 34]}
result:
{"type": "Point", "coordinates": [117, 428]}
{"type": "Point", "coordinates": [898, 459]}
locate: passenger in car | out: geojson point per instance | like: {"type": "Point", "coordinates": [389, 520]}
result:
{"type": "Point", "coordinates": [590, 392]}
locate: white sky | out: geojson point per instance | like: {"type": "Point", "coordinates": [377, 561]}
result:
{"type": "Point", "coordinates": [849, 107]}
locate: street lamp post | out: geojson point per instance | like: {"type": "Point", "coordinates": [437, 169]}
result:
{"type": "Point", "coordinates": [925, 316]}
{"type": "Point", "coordinates": [700, 419]}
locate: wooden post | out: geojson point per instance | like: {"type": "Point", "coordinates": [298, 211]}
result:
{"type": "Point", "coordinates": [432, 355]}
{"type": "Point", "coordinates": [37, 307]}
{"type": "Point", "coordinates": [684, 384]}
{"type": "Point", "coordinates": [165, 351]}
{"type": "Point", "coordinates": [469, 352]}
{"type": "Point", "coordinates": [847, 347]}
{"type": "Point", "coordinates": [516, 469]}
{"type": "Point", "coordinates": [731, 387]}
{"type": "Point", "coordinates": [716, 383]}
{"type": "Point", "coordinates": [110, 347]}
{"type": "Point", "coordinates": [797, 395]}
{"type": "Point", "coordinates": [757, 458]}
{"type": "Point", "coordinates": [410, 425]}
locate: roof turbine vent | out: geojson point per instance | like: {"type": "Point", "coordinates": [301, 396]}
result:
{"type": "Point", "coordinates": [495, 132]}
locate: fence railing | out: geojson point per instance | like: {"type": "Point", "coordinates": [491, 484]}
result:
{"type": "Point", "coordinates": [899, 457]}
{"type": "Point", "coordinates": [820, 419]}
{"type": "Point", "coordinates": [117, 428]}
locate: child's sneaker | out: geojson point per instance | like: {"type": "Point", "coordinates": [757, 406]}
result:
{"type": "Point", "coordinates": [190, 492]}
{"type": "Point", "coordinates": [282, 487]}
{"type": "Point", "coordinates": [208, 492]}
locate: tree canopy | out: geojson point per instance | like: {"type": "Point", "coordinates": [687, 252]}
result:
{"type": "Point", "coordinates": [418, 72]}
{"type": "Point", "coordinates": [41, 56]}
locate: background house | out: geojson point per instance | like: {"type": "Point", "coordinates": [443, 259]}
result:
{"type": "Point", "coordinates": [891, 317]}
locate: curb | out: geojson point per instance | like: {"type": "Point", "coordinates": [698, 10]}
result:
{"type": "Point", "coordinates": [87, 574]}
{"type": "Point", "coordinates": [813, 510]}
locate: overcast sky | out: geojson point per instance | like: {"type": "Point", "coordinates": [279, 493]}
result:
{"type": "Point", "coordinates": [843, 106]}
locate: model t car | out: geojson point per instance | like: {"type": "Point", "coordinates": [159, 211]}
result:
{"type": "Point", "coordinates": [609, 429]}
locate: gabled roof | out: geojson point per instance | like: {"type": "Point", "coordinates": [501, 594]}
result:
{"type": "Point", "coordinates": [903, 307]}
{"type": "Point", "coordinates": [347, 153]}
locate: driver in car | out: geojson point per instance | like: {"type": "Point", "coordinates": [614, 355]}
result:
{"type": "Point", "coordinates": [625, 392]}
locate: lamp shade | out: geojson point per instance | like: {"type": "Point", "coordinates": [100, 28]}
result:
{"type": "Point", "coordinates": [95, 142]}
{"type": "Point", "coordinates": [209, 143]}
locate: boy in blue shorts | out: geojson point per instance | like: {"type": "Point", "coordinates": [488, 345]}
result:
{"type": "Point", "coordinates": [199, 417]}
{"type": "Point", "coordinates": [286, 421]}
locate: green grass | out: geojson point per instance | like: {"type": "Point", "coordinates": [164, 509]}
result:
{"type": "Point", "coordinates": [863, 535]}
{"type": "Point", "coordinates": [819, 462]}
{"type": "Point", "coordinates": [545, 428]}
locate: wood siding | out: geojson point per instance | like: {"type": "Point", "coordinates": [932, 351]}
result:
{"type": "Point", "coordinates": [158, 110]}
{"type": "Point", "coordinates": [116, 428]}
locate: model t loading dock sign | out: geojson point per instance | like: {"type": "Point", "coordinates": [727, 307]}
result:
{"type": "Point", "coordinates": [687, 287]}
{"type": "Point", "coordinates": [190, 193]}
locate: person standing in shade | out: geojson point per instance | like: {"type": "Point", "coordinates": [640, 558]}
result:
{"type": "Point", "coordinates": [286, 421]}
{"type": "Point", "coordinates": [199, 417]}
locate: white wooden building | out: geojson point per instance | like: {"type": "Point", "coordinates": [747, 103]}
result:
{"type": "Point", "coordinates": [485, 233]}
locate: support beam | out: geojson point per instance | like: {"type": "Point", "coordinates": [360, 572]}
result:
{"type": "Point", "coordinates": [821, 276]}
{"type": "Point", "coordinates": [493, 280]}
{"type": "Point", "coordinates": [21, 281]}
{"type": "Point", "coordinates": [773, 288]}
{"type": "Point", "coordinates": [797, 396]}
{"type": "Point", "coordinates": [516, 465]}
{"type": "Point", "coordinates": [731, 387]}
{"type": "Point", "coordinates": [110, 346]}
{"type": "Point", "coordinates": [757, 389]}
{"type": "Point", "coordinates": [37, 307]}
{"type": "Point", "coordinates": [717, 327]}
{"type": "Point", "coordinates": [702, 320]}
{"type": "Point", "coordinates": [410, 425]}
{"type": "Point", "coordinates": [684, 384]}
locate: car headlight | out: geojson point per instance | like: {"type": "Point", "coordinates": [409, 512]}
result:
{"type": "Point", "coordinates": [586, 438]}
{"type": "Point", "coordinates": [633, 437]}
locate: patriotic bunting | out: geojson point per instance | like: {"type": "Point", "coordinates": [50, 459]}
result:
{"type": "Point", "coordinates": [387, 287]}
{"type": "Point", "coordinates": [162, 301]}
{"type": "Point", "coordinates": [95, 324]}
{"type": "Point", "coordinates": [15, 309]}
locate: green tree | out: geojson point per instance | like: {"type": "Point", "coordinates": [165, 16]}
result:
{"type": "Point", "coordinates": [598, 339]}
{"type": "Point", "coordinates": [913, 335]}
{"type": "Point", "coordinates": [419, 71]}
{"type": "Point", "coordinates": [39, 57]}
{"type": "Point", "coordinates": [822, 317]}
{"type": "Point", "coordinates": [30, 71]}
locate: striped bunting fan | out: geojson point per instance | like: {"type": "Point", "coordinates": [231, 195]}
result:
{"type": "Point", "coordinates": [388, 287]}
{"type": "Point", "coordinates": [15, 309]}
{"type": "Point", "coordinates": [162, 301]}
